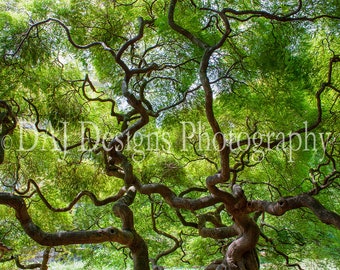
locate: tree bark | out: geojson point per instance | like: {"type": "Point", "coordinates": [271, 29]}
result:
{"type": "Point", "coordinates": [126, 236]}
{"type": "Point", "coordinates": [241, 253]}
{"type": "Point", "coordinates": [138, 247]}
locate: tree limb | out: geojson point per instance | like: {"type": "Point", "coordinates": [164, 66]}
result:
{"type": "Point", "coordinates": [110, 234]}
{"type": "Point", "coordinates": [69, 36]}
{"type": "Point", "coordinates": [289, 203]}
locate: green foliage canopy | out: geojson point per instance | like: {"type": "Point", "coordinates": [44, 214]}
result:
{"type": "Point", "coordinates": [64, 71]}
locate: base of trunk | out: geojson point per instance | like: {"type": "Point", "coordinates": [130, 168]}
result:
{"type": "Point", "coordinates": [249, 261]}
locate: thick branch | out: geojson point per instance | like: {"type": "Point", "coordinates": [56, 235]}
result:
{"type": "Point", "coordinates": [299, 201]}
{"type": "Point", "coordinates": [220, 232]}
{"type": "Point", "coordinates": [175, 201]}
{"type": "Point", "coordinates": [224, 196]}
{"type": "Point", "coordinates": [121, 209]}
{"type": "Point", "coordinates": [110, 234]}
{"type": "Point", "coordinates": [169, 196]}
{"type": "Point", "coordinates": [121, 140]}
{"type": "Point", "coordinates": [130, 42]}
{"type": "Point", "coordinates": [138, 246]}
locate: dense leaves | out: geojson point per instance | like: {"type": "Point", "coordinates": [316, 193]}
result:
{"type": "Point", "coordinates": [112, 118]}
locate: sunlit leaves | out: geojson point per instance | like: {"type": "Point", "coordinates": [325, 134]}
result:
{"type": "Point", "coordinates": [264, 79]}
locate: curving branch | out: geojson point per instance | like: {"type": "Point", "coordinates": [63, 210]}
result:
{"type": "Point", "coordinates": [88, 82]}
{"type": "Point", "coordinates": [69, 37]}
{"type": "Point", "coordinates": [180, 101]}
{"type": "Point", "coordinates": [280, 253]}
{"type": "Point", "coordinates": [168, 195]}
{"type": "Point", "coordinates": [181, 30]}
{"type": "Point", "coordinates": [183, 221]}
{"type": "Point", "coordinates": [289, 203]}
{"type": "Point", "coordinates": [297, 10]}
{"type": "Point", "coordinates": [42, 266]}
{"type": "Point", "coordinates": [48, 133]}
{"type": "Point", "coordinates": [121, 140]}
{"type": "Point", "coordinates": [219, 232]}
{"type": "Point", "coordinates": [137, 245]}
{"type": "Point", "coordinates": [177, 243]}
{"type": "Point", "coordinates": [226, 197]}
{"type": "Point", "coordinates": [110, 234]}
{"type": "Point", "coordinates": [133, 101]}
{"type": "Point", "coordinates": [126, 236]}
{"type": "Point", "coordinates": [129, 72]}
{"type": "Point", "coordinates": [284, 18]}
{"type": "Point", "coordinates": [310, 127]}
{"type": "Point", "coordinates": [81, 194]}
{"type": "Point", "coordinates": [22, 266]}
{"type": "Point", "coordinates": [206, 84]}
{"type": "Point", "coordinates": [173, 200]}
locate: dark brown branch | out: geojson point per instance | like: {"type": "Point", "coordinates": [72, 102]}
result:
{"type": "Point", "coordinates": [219, 232]}
{"type": "Point", "coordinates": [121, 209]}
{"type": "Point", "coordinates": [87, 80]}
{"type": "Point", "coordinates": [296, 202]}
{"type": "Point", "coordinates": [209, 110]}
{"type": "Point", "coordinates": [70, 39]}
{"type": "Point", "coordinates": [279, 252]}
{"type": "Point", "coordinates": [137, 246]}
{"type": "Point", "coordinates": [208, 51]}
{"type": "Point", "coordinates": [110, 234]}
{"type": "Point", "coordinates": [192, 189]}
{"type": "Point", "coordinates": [184, 222]}
{"type": "Point", "coordinates": [289, 137]}
{"type": "Point", "coordinates": [127, 236]}
{"type": "Point", "coordinates": [129, 72]}
{"type": "Point", "coordinates": [177, 243]}
{"type": "Point", "coordinates": [22, 266]}
{"type": "Point", "coordinates": [46, 257]}
{"type": "Point", "coordinates": [42, 266]}
{"type": "Point", "coordinates": [267, 15]}
{"type": "Point", "coordinates": [168, 195]}
{"type": "Point", "coordinates": [297, 10]}
{"type": "Point", "coordinates": [226, 197]}
{"type": "Point", "coordinates": [81, 194]}
{"type": "Point", "coordinates": [175, 201]}
{"type": "Point", "coordinates": [180, 101]}
{"type": "Point", "coordinates": [181, 30]}
{"type": "Point", "coordinates": [28, 266]}
{"type": "Point", "coordinates": [56, 139]}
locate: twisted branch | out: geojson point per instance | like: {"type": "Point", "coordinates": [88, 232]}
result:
{"type": "Point", "coordinates": [81, 194]}
{"type": "Point", "coordinates": [110, 234]}
{"type": "Point", "coordinates": [69, 37]}
{"type": "Point", "coordinates": [289, 203]}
